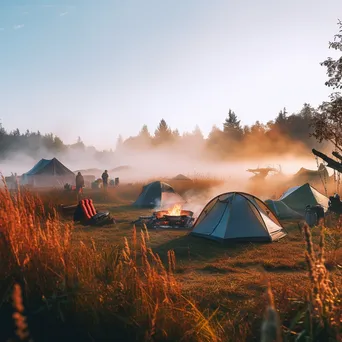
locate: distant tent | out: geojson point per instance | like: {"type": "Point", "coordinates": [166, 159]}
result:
{"type": "Point", "coordinates": [282, 211]}
{"type": "Point", "coordinates": [48, 172]}
{"type": "Point", "coordinates": [305, 175]}
{"type": "Point", "coordinates": [90, 172]}
{"type": "Point", "coordinates": [238, 216]}
{"type": "Point", "coordinates": [121, 168]}
{"type": "Point", "coordinates": [298, 197]}
{"type": "Point", "coordinates": [157, 194]}
{"type": "Point", "coordinates": [181, 177]}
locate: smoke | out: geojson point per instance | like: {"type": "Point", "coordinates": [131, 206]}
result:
{"type": "Point", "coordinates": [196, 201]}
{"type": "Point", "coordinates": [16, 163]}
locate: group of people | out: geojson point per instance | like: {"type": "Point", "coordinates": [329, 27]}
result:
{"type": "Point", "coordinates": [80, 182]}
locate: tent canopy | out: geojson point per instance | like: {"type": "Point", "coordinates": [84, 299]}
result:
{"type": "Point", "coordinates": [121, 168]}
{"type": "Point", "coordinates": [158, 194]}
{"type": "Point", "coordinates": [238, 216]}
{"type": "Point", "coordinates": [48, 172]}
{"type": "Point", "coordinates": [312, 174]}
{"type": "Point", "coordinates": [282, 211]}
{"type": "Point", "coordinates": [298, 197]}
{"type": "Point", "coordinates": [49, 167]}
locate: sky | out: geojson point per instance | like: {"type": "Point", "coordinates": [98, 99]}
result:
{"type": "Point", "coordinates": [100, 68]}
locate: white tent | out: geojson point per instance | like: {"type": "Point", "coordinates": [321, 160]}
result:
{"type": "Point", "coordinates": [238, 216]}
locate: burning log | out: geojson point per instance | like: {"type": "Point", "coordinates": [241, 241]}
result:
{"type": "Point", "coordinates": [175, 217]}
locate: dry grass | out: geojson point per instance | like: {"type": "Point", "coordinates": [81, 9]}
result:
{"type": "Point", "coordinates": [117, 287]}
{"type": "Point", "coordinates": [119, 284]}
{"type": "Point", "coordinates": [320, 318]}
{"type": "Point", "coordinates": [325, 303]}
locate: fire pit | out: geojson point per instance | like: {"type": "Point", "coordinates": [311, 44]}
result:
{"type": "Point", "coordinates": [175, 218]}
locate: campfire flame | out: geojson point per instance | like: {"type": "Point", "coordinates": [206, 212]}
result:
{"type": "Point", "coordinates": [175, 210]}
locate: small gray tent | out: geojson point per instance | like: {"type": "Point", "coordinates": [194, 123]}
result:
{"type": "Point", "coordinates": [181, 177]}
{"type": "Point", "coordinates": [237, 216]}
{"type": "Point", "coordinates": [282, 211]}
{"type": "Point", "coordinates": [158, 194]}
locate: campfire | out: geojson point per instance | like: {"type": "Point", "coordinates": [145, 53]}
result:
{"type": "Point", "coordinates": [176, 210]}
{"type": "Point", "coordinates": [174, 217]}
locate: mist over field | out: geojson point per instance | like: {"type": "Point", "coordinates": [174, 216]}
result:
{"type": "Point", "coordinates": [140, 165]}
{"type": "Point", "coordinates": [284, 144]}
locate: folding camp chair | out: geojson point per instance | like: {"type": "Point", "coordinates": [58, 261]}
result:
{"type": "Point", "coordinates": [88, 215]}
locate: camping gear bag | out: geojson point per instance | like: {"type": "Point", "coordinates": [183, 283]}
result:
{"type": "Point", "coordinates": [100, 219]}
{"type": "Point", "coordinates": [320, 212]}
{"type": "Point", "coordinates": [310, 216]}
{"type": "Point", "coordinates": [313, 214]}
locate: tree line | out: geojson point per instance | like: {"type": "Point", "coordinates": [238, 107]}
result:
{"type": "Point", "coordinates": [230, 139]}
{"type": "Point", "coordinates": [298, 132]}
{"type": "Point", "coordinates": [281, 135]}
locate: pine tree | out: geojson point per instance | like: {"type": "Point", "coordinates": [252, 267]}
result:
{"type": "Point", "coordinates": [258, 129]}
{"type": "Point", "coordinates": [197, 133]}
{"type": "Point", "coordinates": [175, 134]}
{"type": "Point", "coordinates": [163, 133]}
{"type": "Point", "coordinates": [307, 112]}
{"type": "Point", "coordinates": [280, 123]}
{"type": "Point", "coordinates": [232, 126]}
{"type": "Point", "coordinates": [144, 133]}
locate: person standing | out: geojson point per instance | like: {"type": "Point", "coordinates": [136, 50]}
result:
{"type": "Point", "coordinates": [79, 185]}
{"type": "Point", "coordinates": [105, 177]}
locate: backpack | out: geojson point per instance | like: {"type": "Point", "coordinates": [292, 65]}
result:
{"type": "Point", "coordinates": [313, 214]}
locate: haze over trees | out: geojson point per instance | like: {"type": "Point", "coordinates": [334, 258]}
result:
{"type": "Point", "coordinates": [231, 139]}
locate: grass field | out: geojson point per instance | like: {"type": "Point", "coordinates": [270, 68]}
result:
{"type": "Point", "coordinates": [122, 283]}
